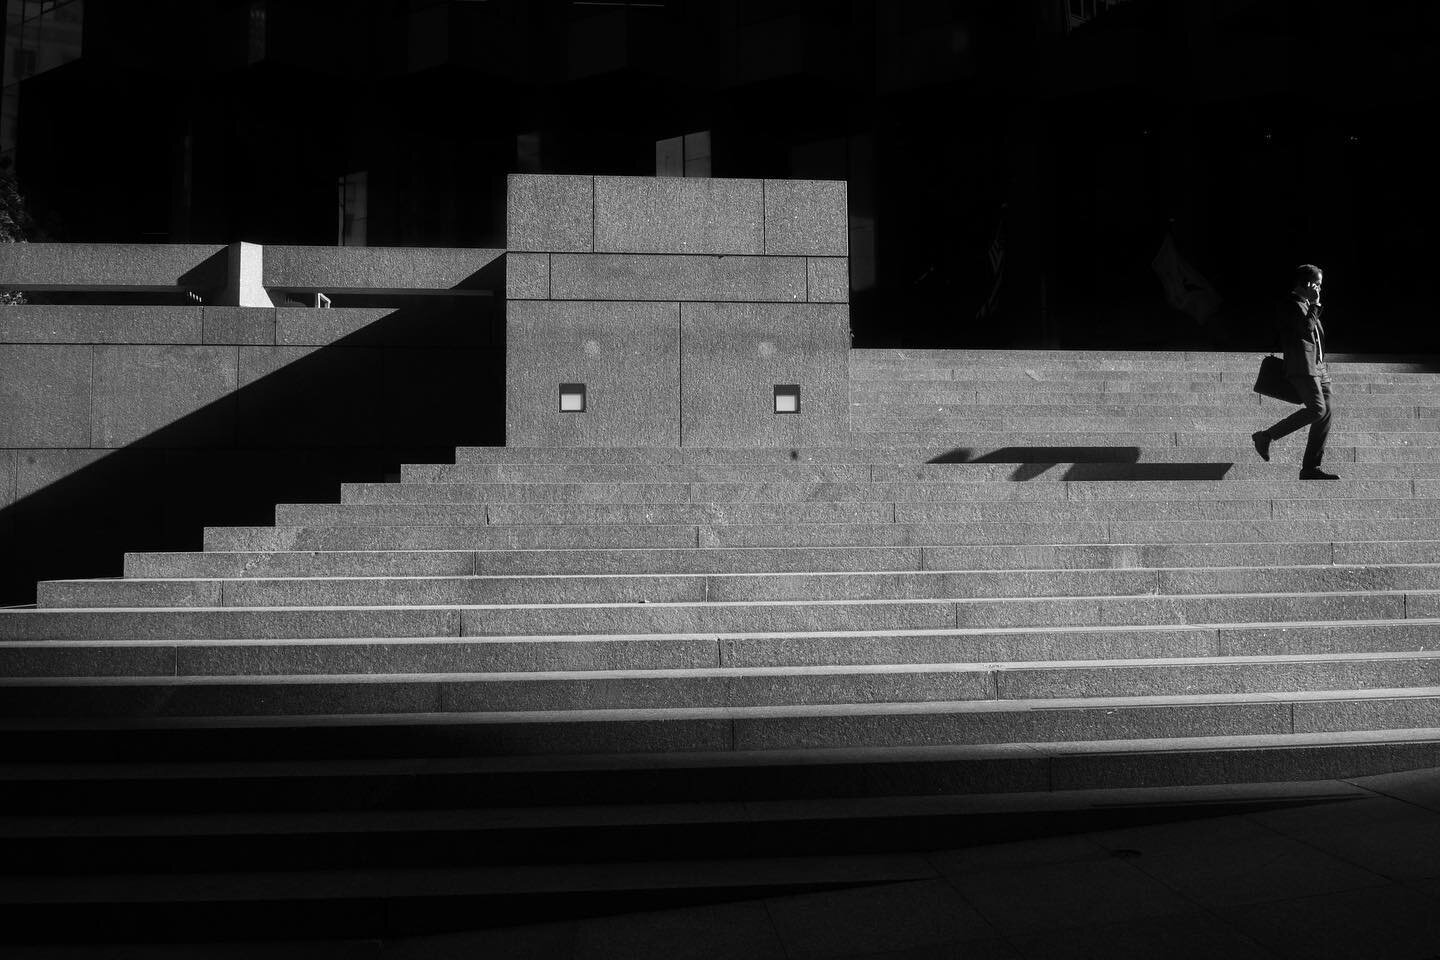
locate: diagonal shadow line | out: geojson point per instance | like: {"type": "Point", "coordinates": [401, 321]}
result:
{"type": "Point", "coordinates": [408, 387]}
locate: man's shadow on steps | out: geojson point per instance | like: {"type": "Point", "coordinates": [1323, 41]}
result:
{"type": "Point", "coordinates": [1085, 463]}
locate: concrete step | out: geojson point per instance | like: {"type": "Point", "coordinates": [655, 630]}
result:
{"type": "Point", "coordinates": [1147, 472]}
{"type": "Point", "coordinates": [1132, 446]}
{"type": "Point", "coordinates": [1110, 448]}
{"type": "Point", "coordinates": [198, 622]}
{"type": "Point", "coordinates": [862, 492]}
{"type": "Point", "coordinates": [1238, 375]}
{"type": "Point", "coordinates": [453, 537]}
{"type": "Point", "coordinates": [631, 473]}
{"type": "Point", "coordinates": [373, 563]}
{"type": "Point", "coordinates": [915, 777]}
{"type": "Point", "coordinates": [469, 537]}
{"type": "Point", "coordinates": [1126, 359]}
{"type": "Point", "coordinates": [1148, 392]}
{"type": "Point", "coordinates": [831, 513]}
{"type": "Point", "coordinates": [415, 655]}
{"type": "Point", "coordinates": [1085, 424]}
{"type": "Point", "coordinates": [1036, 686]}
{"type": "Point", "coordinates": [731, 587]}
{"type": "Point", "coordinates": [754, 728]}
{"type": "Point", "coordinates": [1188, 469]}
{"type": "Point", "coordinates": [1082, 410]}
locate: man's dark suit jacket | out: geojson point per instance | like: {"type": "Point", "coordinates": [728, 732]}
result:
{"type": "Point", "coordinates": [1302, 337]}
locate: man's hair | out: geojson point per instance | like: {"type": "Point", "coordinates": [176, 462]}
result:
{"type": "Point", "coordinates": [1305, 273]}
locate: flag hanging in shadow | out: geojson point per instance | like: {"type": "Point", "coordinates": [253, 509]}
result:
{"type": "Point", "coordinates": [996, 256]}
{"type": "Point", "coordinates": [1186, 289]}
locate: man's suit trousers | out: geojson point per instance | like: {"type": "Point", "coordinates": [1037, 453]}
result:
{"type": "Point", "coordinates": [1315, 393]}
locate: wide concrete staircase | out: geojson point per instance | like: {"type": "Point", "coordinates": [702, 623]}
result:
{"type": "Point", "coordinates": [541, 680]}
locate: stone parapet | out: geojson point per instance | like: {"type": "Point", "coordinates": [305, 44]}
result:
{"type": "Point", "coordinates": [243, 274]}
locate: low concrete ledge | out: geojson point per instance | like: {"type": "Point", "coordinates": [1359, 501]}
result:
{"type": "Point", "coordinates": [381, 270]}
{"type": "Point", "coordinates": [43, 323]}
{"type": "Point", "coordinates": [113, 267]}
{"type": "Point", "coordinates": [76, 325]}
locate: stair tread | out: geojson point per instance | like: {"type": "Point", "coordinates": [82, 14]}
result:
{"type": "Point", "coordinates": [718, 672]}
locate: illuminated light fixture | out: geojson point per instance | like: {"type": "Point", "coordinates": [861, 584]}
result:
{"type": "Point", "coordinates": [572, 398]}
{"type": "Point", "coordinates": [787, 398]}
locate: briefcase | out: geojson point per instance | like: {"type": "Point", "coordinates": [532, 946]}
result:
{"type": "Point", "coordinates": [1273, 383]}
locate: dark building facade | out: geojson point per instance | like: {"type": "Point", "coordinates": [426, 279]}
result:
{"type": "Point", "coordinates": [1013, 166]}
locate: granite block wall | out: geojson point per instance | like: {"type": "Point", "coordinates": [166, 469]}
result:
{"type": "Point", "coordinates": [133, 427]}
{"type": "Point", "coordinates": [681, 304]}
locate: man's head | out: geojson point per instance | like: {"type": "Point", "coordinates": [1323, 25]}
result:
{"type": "Point", "coordinates": [1307, 281]}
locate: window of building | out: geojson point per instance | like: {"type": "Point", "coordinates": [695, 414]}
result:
{"type": "Point", "coordinates": [354, 209]}
{"type": "Point", "coordinates": [40, 35]}
{"type": "Point", "coordinates": [1080, 12]}
{"type": "Point", "coordinates": [527, 152]}
{"type": "Point", "coordinates": [256, 48]}
{"type": "Point", "coordinates": [687, 156]}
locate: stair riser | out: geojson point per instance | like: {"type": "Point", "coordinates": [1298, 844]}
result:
{"type": "Point", "coordinates": [1063, 448]}
{"type": "Point", "coordinates": [558, 620]}
{"type": "Point", "coordinates": [630, 473]}
{"type": "Point", "coordinates": [727, 588]}
{"type": "Point", "coordinates": [893, 728]}
{"type": "Point", "coordinates": [914, 512]}
{"type": "Point", "coordinates": [779, 560]}
{"type": "Point", "coordinates": [1412, 416]}
{"type": "Point", "coordinates": [422, 655]}
{"type": "Point", "coordinates": [901, 491]}
{"type": "Point", "coordinates": [1240, 373]}
{"type": "Point", "coordinates": [1122, 393]}
{"type": "Point", "coordinates": [947, 473]}
{"type": "Point", "coordinates": [1159, 533]}
{"type": "Point", "coordinates": [256, 698]}
{"type": "Point", "coordinates": [507, 563]}
{"type": "Point", "coordinates": [454, 537]}
{"type": "Point", "coordinates": [1002, 771]}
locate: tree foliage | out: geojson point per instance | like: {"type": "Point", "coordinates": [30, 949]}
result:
{"type": "Point", "coordinates": [15, 222]}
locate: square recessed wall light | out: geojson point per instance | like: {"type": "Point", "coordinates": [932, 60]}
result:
{"type": "Point", "coordinates": [572, 398]}
{"type": "Point", "coordinates": [787, 398]}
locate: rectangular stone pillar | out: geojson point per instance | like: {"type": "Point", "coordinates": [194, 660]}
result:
{"type": "Point", "coordinates": [688, 309]}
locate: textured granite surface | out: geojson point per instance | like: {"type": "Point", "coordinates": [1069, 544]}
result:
{"type": "Point", "coordinates": [375, 269]}
{"type": "Point", "coordinates": [527, 276]}
{"type": "Point", "coordinates": [85, 323]}
{"type": "Point", "coordinates": [111, 266]}
{"type": "Point", "coordinates": [220, 624]}
{"type": "Point", "coordinates": [616, 276]}
{"type": "Point", "coordinates": [239, 325]}
{"type": "Point", "coordinates": [45, 395]}
{"type": "Point", "coordinates": [141, 389]}
{"type": "Point", "coordinates": [627, 355]}
{"type": "Point", "coordinates": [550, 213]}
{"type": "Point", "coordinates": [808, 217]}
{"type": "Point", "coordinates": [827, 279]}
{"type": "Point", "coordinates": [8, 460]}
{"type": "Point", "coordinates": [678, 215]}
{"type": "Point", "coordinates": [308, 326]}
{"type": "Point", "coordinates": [735, 354]}
{"type": "Point", "coordinates": [37, 469]}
